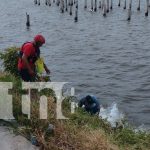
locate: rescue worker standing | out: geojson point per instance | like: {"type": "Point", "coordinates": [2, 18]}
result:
{"type": "Point", "coordinates": [29, 54]}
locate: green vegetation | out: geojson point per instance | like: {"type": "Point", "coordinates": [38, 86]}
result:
{"type": "Point", "coordinates": [81, 132]}
{"type": "Point", "coordinates": [10, 59]}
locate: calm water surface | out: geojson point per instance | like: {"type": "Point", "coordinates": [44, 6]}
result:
{"type": "Point", "coordinates": [108, 57]}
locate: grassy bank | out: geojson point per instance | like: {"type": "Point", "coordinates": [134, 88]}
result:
{"type": "Point", "coordinates": [81, 131]}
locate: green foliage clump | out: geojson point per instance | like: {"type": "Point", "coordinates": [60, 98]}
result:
{"type": "Point", "coordinates": [10, 60]}
{"type": "Point", "coordinates": [126, 136]}
{"type": "Point", "coordinates": [137, 140]}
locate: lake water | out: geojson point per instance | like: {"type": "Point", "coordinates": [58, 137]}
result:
{"type": "Point", "coordinates": [108, 57]}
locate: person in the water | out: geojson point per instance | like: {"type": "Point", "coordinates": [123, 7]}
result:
{"type": "Point", "coordinates": [29, 54]}
{"type": "Point", "coordinates": [90, 103]}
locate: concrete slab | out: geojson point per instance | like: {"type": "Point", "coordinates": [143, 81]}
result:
{"type": "Point", "coordinates": [9, 141]}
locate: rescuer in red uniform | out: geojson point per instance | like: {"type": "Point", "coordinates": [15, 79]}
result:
{"type": "Point", "coordinates": [29, 53]}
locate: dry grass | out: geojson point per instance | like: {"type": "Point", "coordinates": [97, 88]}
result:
{"type": "Point", "coordinates": [96, 140]}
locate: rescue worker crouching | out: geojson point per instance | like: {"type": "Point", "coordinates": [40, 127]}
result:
{"type": "Point", "coordinates": [91, 104]}
{"type": "Point", "coordinates": [29, 54]}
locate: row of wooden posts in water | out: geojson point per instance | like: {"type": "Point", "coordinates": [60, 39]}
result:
{"type": "Point", "coordinates": [105, 5]}
{"type": "Point", "coordinates": [64, 5]}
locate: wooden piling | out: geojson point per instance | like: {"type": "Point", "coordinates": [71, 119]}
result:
{"type": "Point", "coordinates": [147, 5]}
{"type": "Point", "coordinates": [129, 10]}
{"type": "Point", "coordinates": [104, 8]}
{"type": "Point", "coordinates": [39, 2]}
{"type": "Point", "coordinates": [62, 6]}
{"type": "Point", "coordinates": [28, 20]}
{"type": "Point", "coordinates": [130, 4]}
{"type": "Point", "coordinates": [71, 3]}
{"type": "Point", "coordinates": [70, 10]}
{"type": "Point", "coordinates": [66, 3]}
{"type": "Point", "coordinates": [95, 9]}
{"type": "Point", "coordinates": [139, 6]}
{"type": "Point", "coordinates": [45, 2]}
{"type": "Point", "coordinates": [49, 2]}
{"type": "Point", "coordinates": [35, 1]}
{"type": "Point", "coordinates": [119, 3]}
{"type": "Point", "coordinates": [85, 4]}
{"type": "Point", "coordinates": [125, 4]}
{"type": "Point", "coordinates": [111, 4]}
{"type": "Point", "coordinates": [76, 12]}
{"type": "Point", "coordinates": [100, 5]}
{"type": "Point", "coordinates": [129, 14]}
{"type": "Point", "coordinates": [107, 6]}
{"type": "Point", "coordinates": [58, 2]}
{"type": "Point", "coordinates": [92, 5]}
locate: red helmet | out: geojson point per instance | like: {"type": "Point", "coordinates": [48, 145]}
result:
{"type": "Point", "coordinates": [39, 38]}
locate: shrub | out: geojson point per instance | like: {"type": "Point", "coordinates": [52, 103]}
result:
{"type": "Point", "coordinates": [10, 60]}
